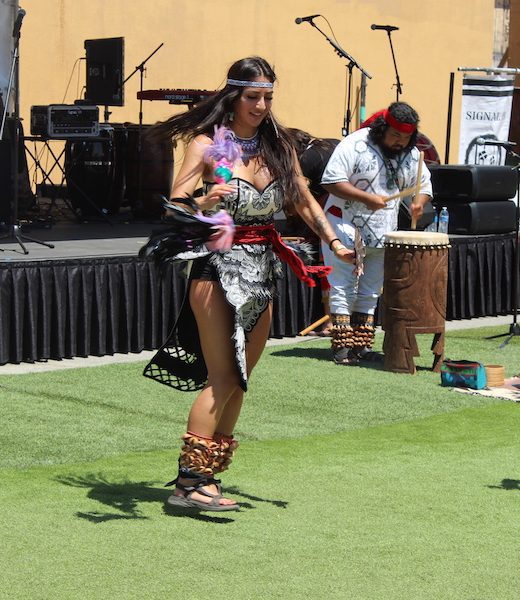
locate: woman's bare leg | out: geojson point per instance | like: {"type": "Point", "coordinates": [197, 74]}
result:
{"type": "Point", "coordinates": [215, 323]}
{"type": "Point", "coordinates": [255, 345]}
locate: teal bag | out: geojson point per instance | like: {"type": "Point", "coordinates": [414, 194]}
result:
{"type": "Point", "coordinates": [463, 373]}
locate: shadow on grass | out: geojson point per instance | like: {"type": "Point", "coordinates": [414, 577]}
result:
{"type": "Point", "coordinates": [507, 484]}
{"type": "Point", "coordinates": [126, 496]}
{"type": "Point", "coordinates": [325, 354]}
{"type": "Point", "coordinates": [302, 352]}
{"type": "Point", "coordinates": [236, 491]}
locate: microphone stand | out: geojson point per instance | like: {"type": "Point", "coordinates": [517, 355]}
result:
{"type": "Point", "coordinates": [350, 65]}
{"type": "Point", "coordinates": [514, 328]}
{"type": "Point", "coordinates": [398, 87]}
{"type": "Point", "coordinates": [141, 70]}
{"type": "Point", "coordinates": [14, 81]}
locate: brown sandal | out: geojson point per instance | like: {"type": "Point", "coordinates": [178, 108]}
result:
{"type": "Point", "coordinates": [187, 501]}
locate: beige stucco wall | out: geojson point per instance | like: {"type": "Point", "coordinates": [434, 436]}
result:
{"type": "Point", "coordinates": [203, 37]}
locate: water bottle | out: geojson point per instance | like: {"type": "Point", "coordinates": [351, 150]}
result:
{"type": "Point", "coordinates": [434, 225]}
{"type": "Point", "coordinates": [444, 219]}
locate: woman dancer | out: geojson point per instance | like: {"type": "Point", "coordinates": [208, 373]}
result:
{"type": "Point", "coordinates": [230, 292]}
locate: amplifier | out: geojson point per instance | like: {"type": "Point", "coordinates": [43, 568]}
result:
{"type": "Point", "coordinates": [63, 121]}
{"type": "Point", "coordinates": [473, 183]}
{"type": "Point", "coordinates": [498, 216]}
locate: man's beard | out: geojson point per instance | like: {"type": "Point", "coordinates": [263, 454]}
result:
{"type": "Point", "coordinates": [390, 152]}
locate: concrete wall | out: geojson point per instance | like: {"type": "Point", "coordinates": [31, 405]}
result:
{"type": "Point", "coordinates": [203, 37]}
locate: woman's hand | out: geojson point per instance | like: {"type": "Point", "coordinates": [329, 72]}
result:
{"type": "Point", "coordinates": [343, 253]}
{"type": "Point", "coordinates": [215, 195]}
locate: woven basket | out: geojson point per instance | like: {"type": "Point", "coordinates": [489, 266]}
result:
{"type": "Point", "coordinates": [494, 375]}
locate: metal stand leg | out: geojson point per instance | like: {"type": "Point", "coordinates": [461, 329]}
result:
{"type": "Point", "coordinates": [14, 227]}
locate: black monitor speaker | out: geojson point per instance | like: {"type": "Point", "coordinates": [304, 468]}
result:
{"type": "Point", "coordinates": [473, 182]}
{"type": "Point", "coordinates": [25, 194]}
{"type": "Point", "coordinates": [477, 218]}
{"type": "Point", "coordinates": [105, 71]}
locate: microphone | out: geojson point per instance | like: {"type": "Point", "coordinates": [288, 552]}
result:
{"type": "Point", "coordinates": [18, 22]}
{"type": "Point", "coordinates": [485, 142]}
{"type": "Point", "coordinates": [308, 19]}
{"type": "Point", "coordinates": [384, 27]}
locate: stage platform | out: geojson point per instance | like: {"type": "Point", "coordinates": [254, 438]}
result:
{"type": "Point", "coordinates": [91, 295]}
{"type": "Point", "coordinates": [80, 240]}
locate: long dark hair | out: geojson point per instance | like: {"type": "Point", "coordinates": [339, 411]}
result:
{"type": "Point", "coordinates": [402, 112]}
{"type": "Point", "coordinates": [276, 150]}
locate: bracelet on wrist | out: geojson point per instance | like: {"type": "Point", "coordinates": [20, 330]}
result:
{"type": "Point", "coordinates": [332, 241]}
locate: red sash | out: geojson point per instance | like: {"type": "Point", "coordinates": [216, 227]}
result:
{"type": "Point", "coordinates": [260, 234]}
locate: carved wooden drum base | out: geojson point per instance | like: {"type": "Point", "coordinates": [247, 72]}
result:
{"type": "Point", "coordinates": [414, 296]}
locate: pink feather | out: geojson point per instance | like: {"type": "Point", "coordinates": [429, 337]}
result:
{"type": "Point", "coordinates": [223, 227]}
{"type": "Point", "coordinates": [223, 152]}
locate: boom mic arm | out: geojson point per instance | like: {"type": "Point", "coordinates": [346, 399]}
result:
{"type": "Point", "coordinates": [487, 142]}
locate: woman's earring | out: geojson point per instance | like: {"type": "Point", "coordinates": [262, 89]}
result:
{"type": "Point", "coordinates": [230, 117]}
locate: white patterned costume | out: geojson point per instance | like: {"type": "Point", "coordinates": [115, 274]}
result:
{"type": "Point", "coordinates": [247, 274]}
{"type": "Point", "coordinates": [360, 162]}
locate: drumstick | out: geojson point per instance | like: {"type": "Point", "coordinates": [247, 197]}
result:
{"type": "Point", "coordinates": [401, 194]}
{"type": "Point", "coordinates": [418, 186]}
{"type": "Point", "coordinates": [314, 325]}
{"type": "Point", "coordinates": [407, 191]}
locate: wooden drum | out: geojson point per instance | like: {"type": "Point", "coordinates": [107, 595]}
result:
{"type": "Point", "coordinates": [414, 296]}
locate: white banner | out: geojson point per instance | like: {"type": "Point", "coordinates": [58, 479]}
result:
{"type": "Point", "coordinates": [485, 117]}
{"type": "Point", "coordinates": [8, 10]}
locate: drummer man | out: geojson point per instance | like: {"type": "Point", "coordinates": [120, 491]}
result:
{"type": "Point", "coordinates": [366, 168]}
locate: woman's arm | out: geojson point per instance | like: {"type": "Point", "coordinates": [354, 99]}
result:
{"type": "Point", "coordinates": [191, 172]}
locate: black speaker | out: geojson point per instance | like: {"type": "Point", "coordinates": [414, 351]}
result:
{"type": "Point", "coordinates": [105, 71]}
{"type": "Point", "coordinates": [25, 194]}
{"type": "Point", "coordinates": [6, 176]}
{"type": "Point", "coordinates": [497, 216]}
{"type": "Point", "coordinates": [473, 183]}
{"type": "Point", "coordinates": [90, 172]}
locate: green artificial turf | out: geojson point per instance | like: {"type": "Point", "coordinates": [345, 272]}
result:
{"type": "Point", "coordinates": [353, 483]}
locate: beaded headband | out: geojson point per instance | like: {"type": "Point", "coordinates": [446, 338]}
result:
{"type": "Point", "coordinates": [259, 84]}
{"type": "Point", "coordinates": [406, 128]}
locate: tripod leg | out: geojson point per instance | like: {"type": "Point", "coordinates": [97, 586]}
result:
{"type": "Point", "coordinates": [506, 341]}
{"type": "Point", "coordinates": [18, 236]}
{"type": "Point", "coordinates": [14, 233]}
{"type": "Point", "coordinates": [30, 239]}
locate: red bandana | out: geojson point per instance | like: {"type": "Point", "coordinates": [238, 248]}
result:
{"type": "Point", "coordinates": [406, 128]}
